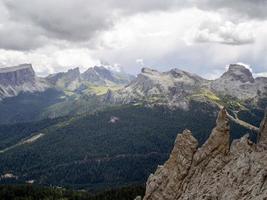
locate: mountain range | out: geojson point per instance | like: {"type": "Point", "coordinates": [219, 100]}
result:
{"type": "Point", "coordinates": [22, 78]}
{"type": "Point", "coordinates": [100, 129]}
{"type": "Point", "coordinates": [73, 92]}
{"type": "Point", "coordinates": [177, 87]}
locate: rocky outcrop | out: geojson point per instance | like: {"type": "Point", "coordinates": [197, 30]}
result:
{"type": "Point", "coordinates": [238, 82]}
{"type": "Point", "coordinates": [66, 80]}
{"type": "Point", "coordinates": [17, 75]}
{"type": "Point", "coordinates": [175, 88]}
{"type": "Point", "coordinates": [217, 170]}
{"type": "Point", "coordinates": [169, 88]}
{"type": "Point", "coordinates": [21, 78]}
{"type": "Point", "coordinates": [262, 137]}
{"type": "Point", "coordinates": [100, 75]}
{"type": "Point", "coordinates": [73, 80]}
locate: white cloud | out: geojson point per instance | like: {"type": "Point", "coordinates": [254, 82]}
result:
{"type": "Point", "coordinates": [140, 61]}
{"type": "Point", "coordinates": [202, 35]}
{"type": "Point", "coordinates": [263, 74]}
{"type": "Point", "coordinates": [50, 60]}
{"type": "Point", "coordinates": [226, 32]}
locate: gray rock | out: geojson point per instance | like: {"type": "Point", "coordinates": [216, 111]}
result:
{"type": "Point", "coordinates": [214, 171]}
{"type": "Point", "coordinates": [176, 88]}
{"type": "Point", "coordinates": [154, 87]}
{"type": "Point", "coordinates": [21, 78]}
{"type": "Point", "coordinates": [100, 75]}
{"type": "Point", "coordinates": [238, 82]}
{"type": "Point", "coordinates": [69, 80]}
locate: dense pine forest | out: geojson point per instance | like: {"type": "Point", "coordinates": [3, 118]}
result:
{"type": "Point", "coordinates": [35, 192]}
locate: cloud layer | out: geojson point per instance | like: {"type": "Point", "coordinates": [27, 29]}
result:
{"type": "Point", "coordinates": [197, 35]}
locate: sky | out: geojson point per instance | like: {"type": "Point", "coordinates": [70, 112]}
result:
{"type": "Point", "coordinates": [199, 36]}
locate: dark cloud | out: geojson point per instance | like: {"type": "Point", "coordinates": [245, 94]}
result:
{"type": "Point", "coordinates": [243, 8]}
{"type": "Point", "coordinates": [29, 24]}
{"type": "Point", "coordinates": [20, 37]}
{"type": "Point", "coordinates": [62, 19]}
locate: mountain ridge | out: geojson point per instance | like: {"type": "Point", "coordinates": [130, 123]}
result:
{"type": "Point", "coordinates": [216, 170]}
{"type": "Point", "coordinates": [174, 88]}
{"type": "Point", "coordinates": [69, 94]}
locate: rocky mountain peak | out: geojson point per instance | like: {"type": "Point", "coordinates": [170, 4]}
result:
{"type": "Point", "coordinates": [73, 74]}
{"type": "Point", "coordinates": [263, 132]}
{"type": "Point", "coordinates": [104, 72]}
{"type": "Point", "coordinates": [238, 82]}
{"type": "Point", "coordinates": [238, 72]}
{"type": "Point", "coordinates": [169, 88]}
{"type": "Point", "coordinates": [219, 140]}
{"type": "Point", "coordinates": [213, 171]}
{"type": "Point", "coordinates": [21, 78]}
{"type": "Point", "coordinates": [69, 79]}
{"type": "Point", "coordinates": [17, 75]}
{"type": "Point", "coordinates": [102, 76]}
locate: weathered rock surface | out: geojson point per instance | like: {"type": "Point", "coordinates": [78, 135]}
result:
{"type": "Point", "coordinates": [238, 82]}
{"type": "Point", "coordinates": [66, 80]}
{"type": "Point", "coordinates": [21, 78]}
{"type": "Point", "coordinates": [98, 75]}
{"type": "Point", "coordinates": [175, 88]}
{"type": "Point", "coordinates": [217, 170]}
{"type": "Point", "coordinates": [168, 88]}
{"type": "Point", "coordinates": [102, 76]}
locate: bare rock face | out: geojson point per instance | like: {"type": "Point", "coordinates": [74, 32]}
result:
{"type": "Point", "coordinates": [175, 88]}
{"type": "Point", "coordinates": [263, 132]}
{"type": "Point", "coordinates": [21, 78]}
{"type": "Point", "coordinates": [167, 88]}
{"type": "Point", "coordinates": [66, 80]}
{"type": "Point", "coordinates": [238, 82]}
{"type": "Point", "coordinates": [101, 75]}
{"type": "Point", "coordinates": [214, 171]}
{"type": "Point", "coordinates": [17, 75]}
{"type": "Point", "coordinates": [164, 183]}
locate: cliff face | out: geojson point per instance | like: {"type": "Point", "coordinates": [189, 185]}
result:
{"type": "Point", "coordinates": [175, 88]}
{"type": "Point", "coordinates": [217, 170]}
{"type": "Point", "coordinates": [21, 78]}
{"type": "Point", "coordinates": [238, 82]}
{"type": "Point", "coordinates": [17, 75]}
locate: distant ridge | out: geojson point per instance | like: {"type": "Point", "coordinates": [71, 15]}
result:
{"type": "Point", "coordinates": [15, 68]}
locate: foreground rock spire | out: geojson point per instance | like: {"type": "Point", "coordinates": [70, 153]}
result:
{"type": "Point", "coordinates": [214, 171]}
{"type": "Point", "coordinates": [263, 132]}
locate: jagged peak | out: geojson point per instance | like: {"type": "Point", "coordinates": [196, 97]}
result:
{"type": "Point", "coordinates": [97, 69]}
{"type": "Point", "coordinates": [213, 173]}
{"type": "Point", "coordinates": [100, 67]}
{"type": "Point", "coordinates": [219, 139]}
{"type": "Point", "coordinates": [75, 70]}
{"type": "Point", "coordinates": [239, 72]}
{"type": "Point", "coordinates": [263, 131]}
{"type": "Point", "coordinates": [222, 119]}
{"type": "Point", "coordinates": [180, 161]}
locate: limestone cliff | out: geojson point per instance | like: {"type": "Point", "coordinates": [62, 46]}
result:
{"type": "Point", "coordinates": [217, 170]}
{"type": "Point", "coordinates": [21, 78]}
{"type": "Point", "coordinates": [176, 88]}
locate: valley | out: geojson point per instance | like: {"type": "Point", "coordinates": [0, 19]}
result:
{"type": "Point", "coordinates": [92, 131]}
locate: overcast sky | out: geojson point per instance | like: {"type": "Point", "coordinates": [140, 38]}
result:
{"type": "Point", "coordinates": [200, 36]}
